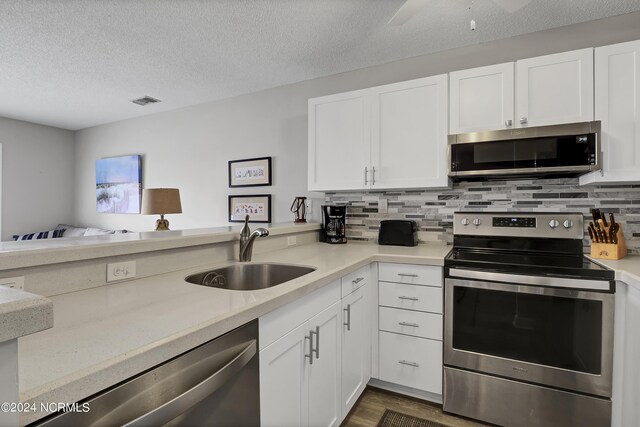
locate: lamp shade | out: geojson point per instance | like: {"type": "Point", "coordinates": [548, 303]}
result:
{"type": "Point", "coordinates": [161, 201]}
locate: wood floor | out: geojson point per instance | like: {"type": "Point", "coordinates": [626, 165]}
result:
{"type": "Point", "coordinates": [373, 402]}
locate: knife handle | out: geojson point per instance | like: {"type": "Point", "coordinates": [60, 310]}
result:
{"type": "Point", "coordinates": [591, 234]}
{"type": "Point", "coordinates": [612, 219]}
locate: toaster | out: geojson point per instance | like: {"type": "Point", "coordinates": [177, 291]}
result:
{"type": "Point", "coordinates": [398, 232]}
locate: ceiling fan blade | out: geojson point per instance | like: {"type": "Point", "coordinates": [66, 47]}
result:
{"type": "Point", "coordinates": [512, 5]}
{"type": "Point", "coordinates": [408, 10]}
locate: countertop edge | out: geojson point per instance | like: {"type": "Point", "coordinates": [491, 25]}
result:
{"type": "Point", "coordinates": [23, 313]}
{"type": "Point", "coordinates": [91, 247]}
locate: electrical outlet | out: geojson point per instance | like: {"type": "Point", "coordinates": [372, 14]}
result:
{"type": "Point", "coordinates": [291, 240]}
{"type": "Point", "coordinates": [383, 206]}
{"type": "Point", "coordinates": [13, 283]}
{"type": "Point", "coordinates": [121, 271]}
{"type": "Point", "coordinates": [309, 205]}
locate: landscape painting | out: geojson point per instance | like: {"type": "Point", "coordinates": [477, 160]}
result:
{"type": "Point", "coordinates": [119, 184]}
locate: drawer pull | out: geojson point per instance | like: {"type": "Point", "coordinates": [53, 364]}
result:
{"type": "Point", "coordinates": [413, 325]}
{"type": "Point", "coordinates": [358, 280]}
{"type": "Point", "coordinates": [407, 275]}
{"type": "Point", "coordinates": [348, 322]}
{"type": "Point", "coordinates": [404, 362]}
{"type": "Point", "coordinates": [409, 298]}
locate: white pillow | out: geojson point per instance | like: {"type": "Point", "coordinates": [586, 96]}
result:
{"type": "Point", "coordinates": [97, 231]}
{"type": "Point", "coordinates": [71, 230]}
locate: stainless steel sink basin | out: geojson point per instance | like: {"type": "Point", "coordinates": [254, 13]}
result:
{"type": "Point", "coordinates": [249, 277]}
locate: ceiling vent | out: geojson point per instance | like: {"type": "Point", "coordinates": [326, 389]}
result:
{"type": "Point", "coordinates": [145, 100]}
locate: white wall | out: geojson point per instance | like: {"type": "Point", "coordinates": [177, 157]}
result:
{"type": "Point", "coordinates": [189, 148]}
{"type": "Point", "coordinates": [38, 169]}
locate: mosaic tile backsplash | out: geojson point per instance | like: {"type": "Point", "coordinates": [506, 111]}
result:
{"type": "Point", "coordinates": [433, 209]}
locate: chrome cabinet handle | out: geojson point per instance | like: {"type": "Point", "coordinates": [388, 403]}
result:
{"type": "Point", "coordinates": [358, 280]}
{"type": "Point", "coordinates": [407, 275]}
{"type": "Point", "coordinates": [317, 350]}
{"type": "Point", "coordinates": [171, 409]}
{"type": "Point", "coordinates": [413, 325]}
{"type": "Point", "coordinates": [404, 362]}
{"type": "Point", "coordinates": [348, 322]}
{"type": "Point", "coordinates": [508, 123]}
{"type": "Point", "coordinates": [523, 120]}
{"type": "Point", "coordinates": [409, 298]}
{"type": "Point", "coordinates": [310, 355]}
{"type": "Point", "coordinates": [373, 175]}
{"type": "Point", "coordinates": [366, 172]}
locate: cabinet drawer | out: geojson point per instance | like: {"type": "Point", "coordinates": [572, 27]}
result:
{"type": "Point", "coordinates": [355, 280]}
{"type": "Point", "coordinates": [412, 362]}
{"type": "Point", "coordinates": [416, 323]}
{"type": "Point", "coordinates": [411, 297]}
{"type": "Point", "coordinates": [410, 274]}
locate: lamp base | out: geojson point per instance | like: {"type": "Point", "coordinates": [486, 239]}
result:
{"type": "Point", "coordinates": [162, 224]}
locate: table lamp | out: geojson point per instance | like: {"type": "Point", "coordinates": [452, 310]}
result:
{"type": "Point", "coordinates": [161, 201]}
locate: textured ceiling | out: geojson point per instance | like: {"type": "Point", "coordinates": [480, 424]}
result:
{"type": "Point", "coordinates": [76, 64]}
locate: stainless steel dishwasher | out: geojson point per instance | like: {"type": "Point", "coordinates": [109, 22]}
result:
{"type": "Point", "coordinates": [215, 384]}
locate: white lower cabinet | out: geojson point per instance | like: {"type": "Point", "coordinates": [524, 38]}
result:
{"type": "Point", "coordinates": [300, 375]}
{"type": "Point", "coordinates": [356, 347]}
{"type": "Point", "coordinates": [410, 327]}
{"type": "Point", "coordinates": [313, 374]}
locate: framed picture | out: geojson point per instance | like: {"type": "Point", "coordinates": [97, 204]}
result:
{"type": "Point", "coordinates": [250, 172]}
{"type": "Point", "coordinates": [257, 206]}
{"type": "Point", "coordinates": [119, 184]}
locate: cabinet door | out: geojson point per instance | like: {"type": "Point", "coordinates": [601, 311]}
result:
{"type": "Point", "coordinates": [617, 82]}
{"type": "Point", "coordinates": [283, 380]}
{"type": "Point", "coordinates": [631, 367]}
{"type": "Point", "coordinates": [324, 374]}
{"type": "Point", "coordinates": [555, 89]}
{"type": "Point", "coordinates": [409, 134]}
{"type": "Point", "coordinates": [339, 142]}
{"type": "Point", "coordinates": [356, 346]}
{"type": "Point", "coordinates": [481, 98]}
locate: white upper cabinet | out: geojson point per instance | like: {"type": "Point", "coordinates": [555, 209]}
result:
{"type": "Point", "coordinates": [555, 89]}
{"type": "Point", "coordinates": [617, 106]}
{"type": "Point", "coordinates": [409, 134]}
{"type": "Point", "coordinates": [339, 141]}
{"type": "Point", "coordinates": [481, 98]}
{"type": "Point", "coordinates": [392, 136]}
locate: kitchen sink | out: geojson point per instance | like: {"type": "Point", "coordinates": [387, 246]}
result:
{"type": "Point", "coordinates": [249, 277]}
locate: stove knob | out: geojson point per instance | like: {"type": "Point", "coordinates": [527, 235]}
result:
{"type": "Point", "coordinates": [554, 223]}
{"type": "Point", "coordinates": [477, 222]}
{"type": "Point", "coordinates": [465, 221]}
{"type": "Point", "coordinates": [567, 223]}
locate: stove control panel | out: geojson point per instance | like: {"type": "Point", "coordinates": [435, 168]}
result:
{"type": "Point", "coordinates": [501, 221]}
{"type": "Point", "coordinates": [519, 224]}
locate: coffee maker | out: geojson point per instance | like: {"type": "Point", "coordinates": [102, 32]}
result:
{"type": "Point", "coordinates": [333, 224]}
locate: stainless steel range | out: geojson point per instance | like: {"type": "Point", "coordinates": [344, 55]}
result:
{"type": "Point", "coordinates": [528, 322]}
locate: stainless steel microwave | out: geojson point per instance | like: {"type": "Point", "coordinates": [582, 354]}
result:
{"type": "Point", "coordinates": [558, 150]}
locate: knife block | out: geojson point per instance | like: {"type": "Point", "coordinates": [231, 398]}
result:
{"type": "Point", "coordinates": [610, 250]}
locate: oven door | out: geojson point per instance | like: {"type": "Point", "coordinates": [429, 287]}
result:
{"type": "Point", "coordinates": [557, 337]}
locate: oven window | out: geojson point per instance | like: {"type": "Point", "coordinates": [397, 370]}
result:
{"type": "Point", "coordinates": [560, 332]}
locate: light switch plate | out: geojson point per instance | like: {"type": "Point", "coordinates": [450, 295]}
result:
{"type": "Point", "coordinates": [13, 282]}
{"type": "Point", "coordinates": [121, 271]}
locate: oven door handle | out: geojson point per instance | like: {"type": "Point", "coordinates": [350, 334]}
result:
{"type": "Point", "coordinates": [559, 282]}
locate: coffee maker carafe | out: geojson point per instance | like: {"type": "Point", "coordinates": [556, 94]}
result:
{"type": "Point", "coordinates": [333, 224]}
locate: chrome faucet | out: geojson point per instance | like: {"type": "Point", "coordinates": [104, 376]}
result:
{"type": "Point", "coordinates": [247, 238]}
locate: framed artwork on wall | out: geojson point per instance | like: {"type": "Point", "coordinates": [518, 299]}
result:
{"type": "Point", "coordinates": [257, 206]}
{"type": "Point", "coordinates": [119, 184]}
{"type": "Point", "coordinates": [250, 172]}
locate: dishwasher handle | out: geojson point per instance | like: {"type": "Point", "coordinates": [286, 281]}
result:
{"type": "Point", "coordinates": [176, 406]}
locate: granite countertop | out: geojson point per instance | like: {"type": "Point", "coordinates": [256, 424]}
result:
{"type": "Point", "coordinates": [105, 335]}
{"type": "Point", "coordinates": [627, 269]}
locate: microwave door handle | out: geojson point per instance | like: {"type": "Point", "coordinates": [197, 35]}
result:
{"type": "Point", "coordinates": [173, 408]}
